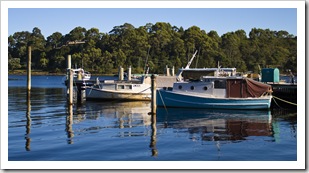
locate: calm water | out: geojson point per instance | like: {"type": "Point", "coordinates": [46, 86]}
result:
{"type": "Point", "coordinates": [46, 129]}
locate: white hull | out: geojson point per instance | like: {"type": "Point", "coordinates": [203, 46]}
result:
{"type": "Point", "coordinates": [102, 94]}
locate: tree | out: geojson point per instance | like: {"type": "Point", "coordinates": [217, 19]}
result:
{"type": "Point", "coordinates": [158, 45]}
{"type": "Point", "coordinates": [14, 63]}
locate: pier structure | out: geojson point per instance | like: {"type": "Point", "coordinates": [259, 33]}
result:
{"type": "Point", "coordinates": [284, 95]}
{"type": "Point", "coordinates": [77, 86]}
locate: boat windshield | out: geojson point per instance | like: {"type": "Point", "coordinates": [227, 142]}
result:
{"type": "Point", "coordinates": [197, 73]}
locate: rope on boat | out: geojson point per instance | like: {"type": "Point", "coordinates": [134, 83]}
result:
{"type": "Point", "coordinates": [162, 101]}
{"type": "Point", "coordinates": [285, 101]}
{"type": "Point", "coordinates": [277, 103]}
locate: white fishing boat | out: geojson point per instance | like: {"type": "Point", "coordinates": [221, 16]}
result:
{"type": "Point", "coordinates": [127, 90]}
{"type": "Point", "coordinates": [214, 88]}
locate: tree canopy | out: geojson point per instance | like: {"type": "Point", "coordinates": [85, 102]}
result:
{"type": "Point", "coordinates": [157, 45]}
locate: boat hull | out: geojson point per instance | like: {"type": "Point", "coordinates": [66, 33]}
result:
{"type": "Point", "coordinates": [169, 98]}
{"type": "Point", "coordinates": [101, 94]}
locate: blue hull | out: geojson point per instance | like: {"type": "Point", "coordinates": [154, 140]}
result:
{"type": "Point", "coordinates": [173, 99]}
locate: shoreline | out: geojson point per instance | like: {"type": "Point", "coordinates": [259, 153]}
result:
{"type": "Point", "coordinates": [42, 73]}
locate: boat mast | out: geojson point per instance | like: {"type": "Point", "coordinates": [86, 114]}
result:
{"type": "Point", "coordinates": [189, 63]}
{"type": "Point", "coordinates": [187, 67]}
{"type": "Point", "coordinates": [146, 68]}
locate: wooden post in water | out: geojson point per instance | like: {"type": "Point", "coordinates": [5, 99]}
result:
{"type": "Point", "coordinates": [70, 77]}
{"type": "Point", "coordinates": [153, 95]}
{"type": "Point", "coordinates": [173, 71]}
{"type": "Point", "coordinates": [70, 85]}
{"type": "Point", "coordinates": [153, 140]}
{"type": "Point", "coordinates": [120, 73]}
{"type": "Point", "coordinates": [81, 93]}
{"type": "Point", "coordinates": [29, 69]}
{"type": "Point", "coordinates": [69, 62]}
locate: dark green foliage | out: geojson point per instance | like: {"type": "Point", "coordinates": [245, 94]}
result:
{"type": "Point", "coordinates": [154, 45]}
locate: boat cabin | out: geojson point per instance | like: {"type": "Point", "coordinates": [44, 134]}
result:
{"type": "Point", "coordinates": [223, 87]}
{"type": "Point", "coordinates": [124, 86]}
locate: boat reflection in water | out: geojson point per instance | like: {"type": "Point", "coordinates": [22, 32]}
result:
{"type": "Point", "coordinates": [217, 125]}
{"type": "Point", "coordinates": [96, 116]}
{"type": "Point", "coordinates": [118, 123]}
{"type": "Point", "coordinates": [207, 124]}
{"type": "Point", "coordinates": [128, 114]}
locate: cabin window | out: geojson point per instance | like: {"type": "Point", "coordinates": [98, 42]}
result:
{"type": "Point", "coordinates": [180, 87]}
{"type": "Point", "coordinates": [128, 87]}
{"type": "Point", "coordinates": [120, 87]}
{"type": "Point", "coordinates": [220, 84]}
{"type": "Point", "coordinates": [205, 88]}
{"type": "Point", "coordinates": [192, 87]}
{"type": "Point", "coordinates": [207, 80]}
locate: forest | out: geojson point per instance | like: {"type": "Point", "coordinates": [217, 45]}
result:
{"type": "Point", "coordinates": [155, 45]}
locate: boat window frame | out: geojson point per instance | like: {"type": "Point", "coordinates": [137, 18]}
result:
{"type": "Point", "coordinates": [124, 87]}
{"type": "Point", "coordinates": [220, 84]}
{"type": "Point", "coordinates": [120, 87]}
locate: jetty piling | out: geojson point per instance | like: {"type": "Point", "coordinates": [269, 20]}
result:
{"type": "Point", "coordinates": [153, 139]}
{"type": "Point", "coordinates": [153, 96]}
{"type": "Point", "coordinates": [70, 76]}
{"type": "Point", "coordinates": [70, 86]}
{"type": "Point", "coordinates": [81, 93]}
{"type": "Point", "coordinates": [80, 89]}
{"type": "Point", "coordinates": [120, 73]}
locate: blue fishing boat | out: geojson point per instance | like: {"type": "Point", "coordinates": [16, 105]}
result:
{"type": "Point", "coordinates": [217, 92]}
{"type": "Point", "coordinates": [220, 88]}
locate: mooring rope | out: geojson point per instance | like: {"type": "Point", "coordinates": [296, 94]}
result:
{"type": "Point", "coordinates": [285, 101]}
{"type": "Point", "coordinates": [162, 101]}
{"type": "Point", "coordinates": [277, 103]}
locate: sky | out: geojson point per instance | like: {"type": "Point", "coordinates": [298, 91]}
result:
{"type": "Point", "coordinates": [222, 20]}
